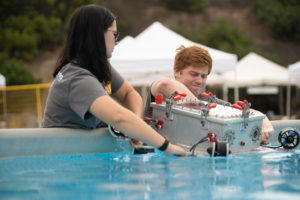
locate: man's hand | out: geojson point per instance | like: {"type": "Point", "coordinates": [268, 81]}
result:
{"type": "Point", "coordinates": [267, 129]}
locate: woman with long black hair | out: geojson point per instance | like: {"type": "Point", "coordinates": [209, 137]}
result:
{"type": "Point", "coordinates": [88, 92]}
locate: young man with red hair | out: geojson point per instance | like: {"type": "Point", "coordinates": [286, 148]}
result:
{"type": "Point", "coordinates": [191, 67]}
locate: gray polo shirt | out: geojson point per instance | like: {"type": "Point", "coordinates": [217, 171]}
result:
{"type": "Point", "coordinates": [71, 94]}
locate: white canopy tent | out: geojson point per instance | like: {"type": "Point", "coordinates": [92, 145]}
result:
{"type": "Point", "coordinates": [3, 100]}
{"type": "Point", "coordinates": [151, 54]}
{"type": "Point", "coordinates": [255, 70]}
{"type": "Point", "coordinates": [145, 79]}
{"type": "Point", "coordinates": [2, 80]}
{"type": "Point", "coordinates": [294, 73]}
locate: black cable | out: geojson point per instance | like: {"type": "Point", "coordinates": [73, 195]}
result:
{"type": "Point", "coordinates": [271, 147]}
{"type": "Point", "coordinates": [192, 149]}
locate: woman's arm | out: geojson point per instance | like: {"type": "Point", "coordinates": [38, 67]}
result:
{"type": "Point", "coordinates": [128, 97]}
{"type": "Point", "coordinates": [129, 123]}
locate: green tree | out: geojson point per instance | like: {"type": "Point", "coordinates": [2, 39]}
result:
{"type": "Point", "coordinates": [222, 34]}
{"type": "Point", "coordinates": [26, 27]}
{"type": "Point", "coordinates": [186, 5]}
{"type": "Point", "coordinates": [123, 27]}
{"type": "Point", "coordinates": [281, 16]}
{"type": "Point", "coordinates": [15, 72]}
{"type": "Point", "coordinates": [23, 35]}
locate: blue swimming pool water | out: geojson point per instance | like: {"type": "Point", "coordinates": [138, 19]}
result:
{"type": "Point", "coordinates": [272, 175]}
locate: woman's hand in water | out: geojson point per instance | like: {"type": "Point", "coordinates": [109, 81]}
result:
{"type": "Point", "coordinates": [175, 150]}
{"type": "Point", "coordinates": [135, 143]}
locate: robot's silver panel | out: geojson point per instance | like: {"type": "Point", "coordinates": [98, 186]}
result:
{"type": "Point", "coordinates": [186, 123]}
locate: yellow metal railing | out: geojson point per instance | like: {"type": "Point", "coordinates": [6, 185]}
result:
{"type": "Point", "coordinates": [21, 106]}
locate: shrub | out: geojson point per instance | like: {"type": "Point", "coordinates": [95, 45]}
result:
{"type": "Point", "coordinates": [281, 16]}
{"type": "Point", "coordinates": [223, 35]}
{"type": "Point", "coordinates": [186, 5]}
{"type": "Point", "coordinates": [123, 26]}
{"type": "Point", "coordinates": [27, 26]}
{"type": "Point", "coordinates": [15, 72]}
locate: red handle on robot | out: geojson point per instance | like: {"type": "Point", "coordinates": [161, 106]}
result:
{"type": "Point", "coordinates": [206, 95]}
{"type": "Point", "coordinates": [237, 106]}
{"type": "Point", "coordinates": [213, 105]}
{"type": "Point", "coordinates": [180, 94]}
{"type": "Point", "coordinates": [176, 98]}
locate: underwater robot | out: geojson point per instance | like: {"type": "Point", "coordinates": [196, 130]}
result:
{"type": "Point", "coordinates": [203, 127]}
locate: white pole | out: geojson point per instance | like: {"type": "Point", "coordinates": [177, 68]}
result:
{"type": "Point", "coordinates": [144, 92]}
{"type": "Point", "coordinates": [297, 96]}
{"type": "Point", "coordinates": [236, 88]}
{"type": "Point", "coordinates": [225, 92]}
{"type": "Point", "coordinates": [4, 106]}
{"type": "Point", "coordinates": [288, 100]}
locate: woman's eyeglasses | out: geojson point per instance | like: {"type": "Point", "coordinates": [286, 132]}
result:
{"type": "Point", "coordinates": [116, 34]}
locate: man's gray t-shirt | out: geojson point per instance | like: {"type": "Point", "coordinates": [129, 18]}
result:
{"type": "Point", "coordinates": [71, 94]}
{"type": "Point", "coordinates": [150, 98]}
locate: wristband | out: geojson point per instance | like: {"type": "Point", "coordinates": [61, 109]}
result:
{"type": "Point", "coordinates": [164, 146]}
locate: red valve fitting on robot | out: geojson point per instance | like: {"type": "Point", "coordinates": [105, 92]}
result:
{"type": "Point", "coordinates": [212, 137]}
{"type": "Point", "coordinates": [159, 99]}
{"type": "Point", "coordinates": [159, 123]}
